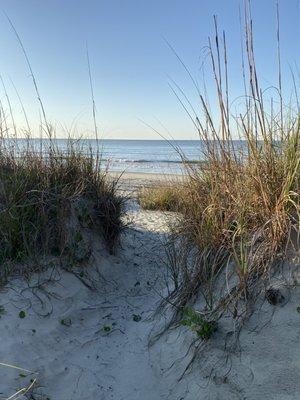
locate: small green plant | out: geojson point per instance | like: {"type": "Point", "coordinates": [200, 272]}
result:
{"type": "Point", "coordinates": [107, 328]}
{"type": "Point", "coordinates": [136, 317]}
{"type": "Point", "coordinates": [79, 250]}
{"type": "Point", "coordinates": [66, 322]}
{"type": "Point", "coordinates": [197, 323]}
{"type": "Point", "coordinates": [2, 311]}
{"type": "Point", "coordinates": [22, 314]}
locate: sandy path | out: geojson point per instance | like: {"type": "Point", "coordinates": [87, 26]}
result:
{"type": "Point", "coordinates": [87, 344]}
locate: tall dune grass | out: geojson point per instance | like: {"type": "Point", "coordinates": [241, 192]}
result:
{"type": "Point", "coordinates": [37, 194]}
{"type": "Point", "coordinates": [241, 210]}
{"type": "Point", "coordinates": [50, 196]}
{"type": "Point", "coordinates": [41, 184]}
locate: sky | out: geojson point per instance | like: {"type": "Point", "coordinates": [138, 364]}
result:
{"type": "Point", "coordinates": [132, 64]}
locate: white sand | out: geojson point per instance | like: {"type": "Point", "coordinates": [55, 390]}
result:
{"type": "Point", "coordinates": [79, 360]}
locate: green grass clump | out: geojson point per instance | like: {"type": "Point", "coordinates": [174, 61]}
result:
{"type": "Point", "coordinates": [136, 317]}
{"type": "Point", "coordinates": [163, 197]}
{"type": "Point", "coordinates": [242, 204]}
{"type": "Point", "coordinates": [37, 195]}
{"type": "Point", "coordinates": [40, 187]}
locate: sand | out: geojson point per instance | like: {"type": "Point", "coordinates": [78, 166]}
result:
{"type": "Point", "coordinates": [134, 180]}
{"type": "Point", "coordinates": [82, 342]}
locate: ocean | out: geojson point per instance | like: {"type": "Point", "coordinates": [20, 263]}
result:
{"type": "Point", "coordinates": [148, 156]}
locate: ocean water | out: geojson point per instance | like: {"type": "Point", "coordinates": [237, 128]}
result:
{"type": "Point", "coordinates": [149, 156]}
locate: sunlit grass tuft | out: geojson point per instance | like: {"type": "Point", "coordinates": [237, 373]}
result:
{"type": "Point", "coordinates": [242, 203]}
{"type": "Point", "coordinates": [167, 197]}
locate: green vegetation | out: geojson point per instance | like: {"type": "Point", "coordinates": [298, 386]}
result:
{"type": "Point", "coordinates": [136, 317]}
{"type": "Point", "coordinates": [2, 311]}
{"type": "Point", "coordinates": [38, 196]}
{"type": "Point", "coordinates": [66, 322]}
{"type": "Point", "coordinates": [242, 205]}
{"type": "Point", "coordinates": [197, 323]}
{"type": "Point", "coordinates": [107, 328]}
{"type": "Point", "coordinates": [168, 197]}
{"type": "Point", "coordinates": [49, 194]}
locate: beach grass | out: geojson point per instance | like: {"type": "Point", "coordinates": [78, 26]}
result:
{"type": "Point", "coordinates": [40, 191]}
{"type": "Point", "coordinates": [240, 215]}
{"type": "Point", "coordinates": [50, 194]}
{"type": "Point", "coordinates": [164, 197]}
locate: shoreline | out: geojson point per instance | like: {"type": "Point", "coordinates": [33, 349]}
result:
{"type": "Point", "coordinates": [131, 182]}
{"type": "Point", "coordinates": [152, 176]}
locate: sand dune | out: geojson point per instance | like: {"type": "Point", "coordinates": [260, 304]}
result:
{"type": "Point", "coordinates": [87, 337]}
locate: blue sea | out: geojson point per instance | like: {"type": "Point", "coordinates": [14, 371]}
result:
{"type": "Point", "coordinates": [148, 156]}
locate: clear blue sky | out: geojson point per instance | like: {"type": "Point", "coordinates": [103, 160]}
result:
{"type": "Point", "coordinates": [129, 58]}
